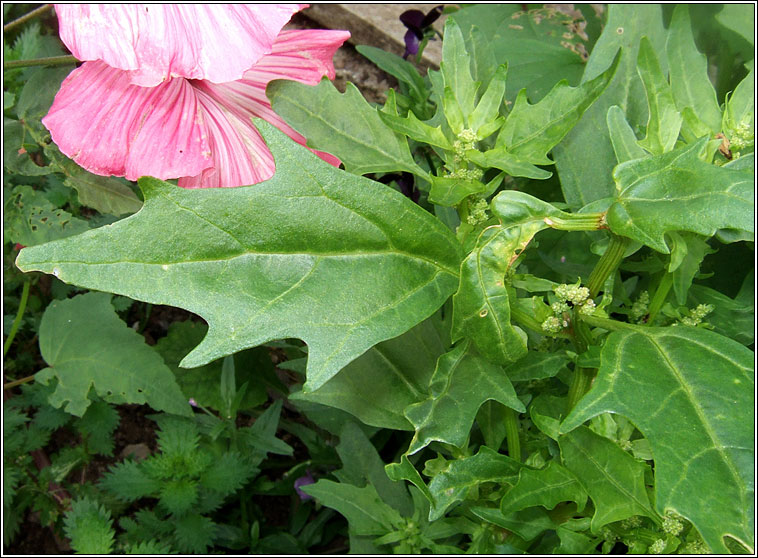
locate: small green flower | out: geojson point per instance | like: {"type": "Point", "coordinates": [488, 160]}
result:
{"type": "Point", "coordinates": [559, 307]}
{"type": "Point", "coordinates": [672, 524]}
{"type": "Point", "coordinates": [552, 325]}
{"type": "Point", "coordinates": [588, 308]}
{"type": "Point", "coordinates": [657, 547]}
{"type": "Point", "coordinates": [467, 136]}
{"type": "Point", "coordinates": [697, 314]}
{"type": "Point", "coordinates": [477, 212]}
{"type": "Point", "coordinates": [574, 294]}
{"type": "Point", "coordinates": [640, 307]}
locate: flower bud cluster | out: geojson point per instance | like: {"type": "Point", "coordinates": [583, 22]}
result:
{"type": "Point", "coordinates": [466, 174]}
{"type": "Point", "coordinates": [672, 524]}
{"type": "Point", "coordinates": [640, 307]}
{"type": "Point", "coordinates": [631, 522]}
{"type": "Point", "coordinates": [477, 212]}
{"type": "Point", "coordinates": [574, 294]}
{"type": "Point", "coordinates": [578, 297]}
{"type": "Point", "coordinates": [697, 314]}
{"type": "Point", "coordinates": [657, 547]}
{"type": "Point", "coordinates": [742, 137]}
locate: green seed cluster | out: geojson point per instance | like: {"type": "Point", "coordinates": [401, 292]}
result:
{"type": "Point", "coordinates": [478, 212]}
{"type": "Point", "coordinates": [574, 294]}
{"type": "Point", "coordinates": [640, 306]}
{"type": "Point", "coordinates": [466, 174]}
{"type": "Point", "coordinates": [672, 524]}
{"type": "Point", "coordinates": [697, 314]}
{"type": "Point", "coordinates": [657, 547]}
{"type": "Point", "coordinates": [578, 297]}
{"type": "Point", "coordinates": [742, 137]}
{"type": "Point", "coordinates": [552, 325]}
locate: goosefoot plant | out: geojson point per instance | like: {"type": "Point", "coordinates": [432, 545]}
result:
{"type": "Point", "coordinates": [564, 352]}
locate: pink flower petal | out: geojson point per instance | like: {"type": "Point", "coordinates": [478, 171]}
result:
{"type": "Point", "coordinates": [216, 42]}
{"type": "Point", "coordinates": [304, 56]}
{"type": "Point", "coordinates": [109, 126]}
{"type": "Point", "coordinates": [240, 156]}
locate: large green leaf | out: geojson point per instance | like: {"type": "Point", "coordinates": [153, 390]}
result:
{"type": "Point", "coordinates": [688, 72]}
{"type": "Point", "coordinates": [532, 130]}
{"type": "Point", "coordinates": [362, 507]}
{"type": "Point", "coordinates": [460, 384]}
{"type": "Point", "coordinates": [461, 475]}
{"type": "Point", "coordinates": [690, 392]}
{"type": "Point", "coordinates": [532, 43]}
{"type": "Point", "coordinates": [544, 487]}
{"type": "Point", "coordinates": [585, 157]}
{"type": "Point", "coordinates": [345, 125]}
{"type": "Point", "coordinates": [613, 478]}
{"type": "Point", "coordinates": [262, 262]}
{"type": "Point", "coordinates": [739, 18]}
{"type": "Point", "coordinates": [377, 386]}
{"type": "Point", "coordinates": [481, 308]}
{"type": "Point", "coordinates": [664, 120]}
{"type": "Point", "coordinates": [665, 192]}
{"type": "Point", "coordinates": [31, 219]}
{"type": "Point", "coordinates": [362, 465]}
{"type": "Point", "coordinates": [106, 194]}
{"type": "Point", "coordinates": [86, 345]}
{"type": "Point", "coordinates": [730, 317]}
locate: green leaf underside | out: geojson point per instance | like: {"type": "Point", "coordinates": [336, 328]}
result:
{"type": "Point", "coordinates": [362, 507]}
{"type": "Point", "coordinates": [344, 124]}
{"type": "Point", "coordinates": [664, 120]}
{"type": "Point", "coordinates": [690, 392]}
{"type": "Point", "coordinates": [688, 71]}
{"type": "Point", "coordinates": [585, 158]}
{"type": "Point", "coordinates": [544, 487]}
{"type": "Point", "coordinates": [459, 386]}
{"type": "Point", "coordinates": [377, 386]}
{"type": "Point", "coordinates": [481, 308]}
{"type": "Point", "coordinates": [529, 43]}
{"type": "Point", "coordinates": [262, 262]}
{"type": "Point", "coordinates": [461, 475]}
{"type": "Point", "coordinates": [613, 478]}
{"type": "Point", "coordinates": [677, 191]}
{"type": "Point", "coordinates": [532, 130]}
{"type": "Point", "coordinates": [86, 345]}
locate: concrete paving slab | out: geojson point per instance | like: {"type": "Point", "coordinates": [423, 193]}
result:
{"type": "Point", "coordinates": [377, 25]}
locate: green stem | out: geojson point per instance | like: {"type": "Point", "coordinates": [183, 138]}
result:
{"type": "Point", "coordinates": [26, 17]}
{"type": "Point", "coordinates": [607, 264]}
{"type": "Point", "coordinates": [661, 292]}
{"type": "Point", "coordinates": [531, 322]}
{"type": "Point", "coordinates": [577, 221]}
{"type": "Point", "coordinates": [609, 324]}
{"type": "Point", "coordinates": [14, 383]}
{"type": "Point", "coordinates": [19, 316]}
{"type": "Point", "coordinates": [148, 311]}
{"type": "Point", "coordinates": [49, 61]}
{"type": "Point", "coordinates": [582, 379]}
{"type": "Point", "coordinates": [512, 434]}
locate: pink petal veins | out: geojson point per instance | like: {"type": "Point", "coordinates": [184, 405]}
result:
{"type": "Point", "coordinates": [109, 126]}
{"type": "Point", "coordinates": [304, 56]}
{"type": "Point", "coordinates": [215, 42]}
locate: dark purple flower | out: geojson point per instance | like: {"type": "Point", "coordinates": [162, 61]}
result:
{"type": "Point", "coordinates": [418, 24]}
{"type": "Point", "coordinates": [303, 481]}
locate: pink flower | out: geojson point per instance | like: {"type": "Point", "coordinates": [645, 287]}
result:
{"type": "Point", "coordinates": [194, 121]}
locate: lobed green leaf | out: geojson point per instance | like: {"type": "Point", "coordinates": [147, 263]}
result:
{"type": "Point", "coordinates": [665, 192]}
{"type": "Point", "coordinates": [690, 392]}
{"type": "Point", "coordinates": [261, 263]}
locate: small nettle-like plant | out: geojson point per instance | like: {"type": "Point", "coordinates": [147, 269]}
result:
{"type": "Point", "coordinates": [524, 305]}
